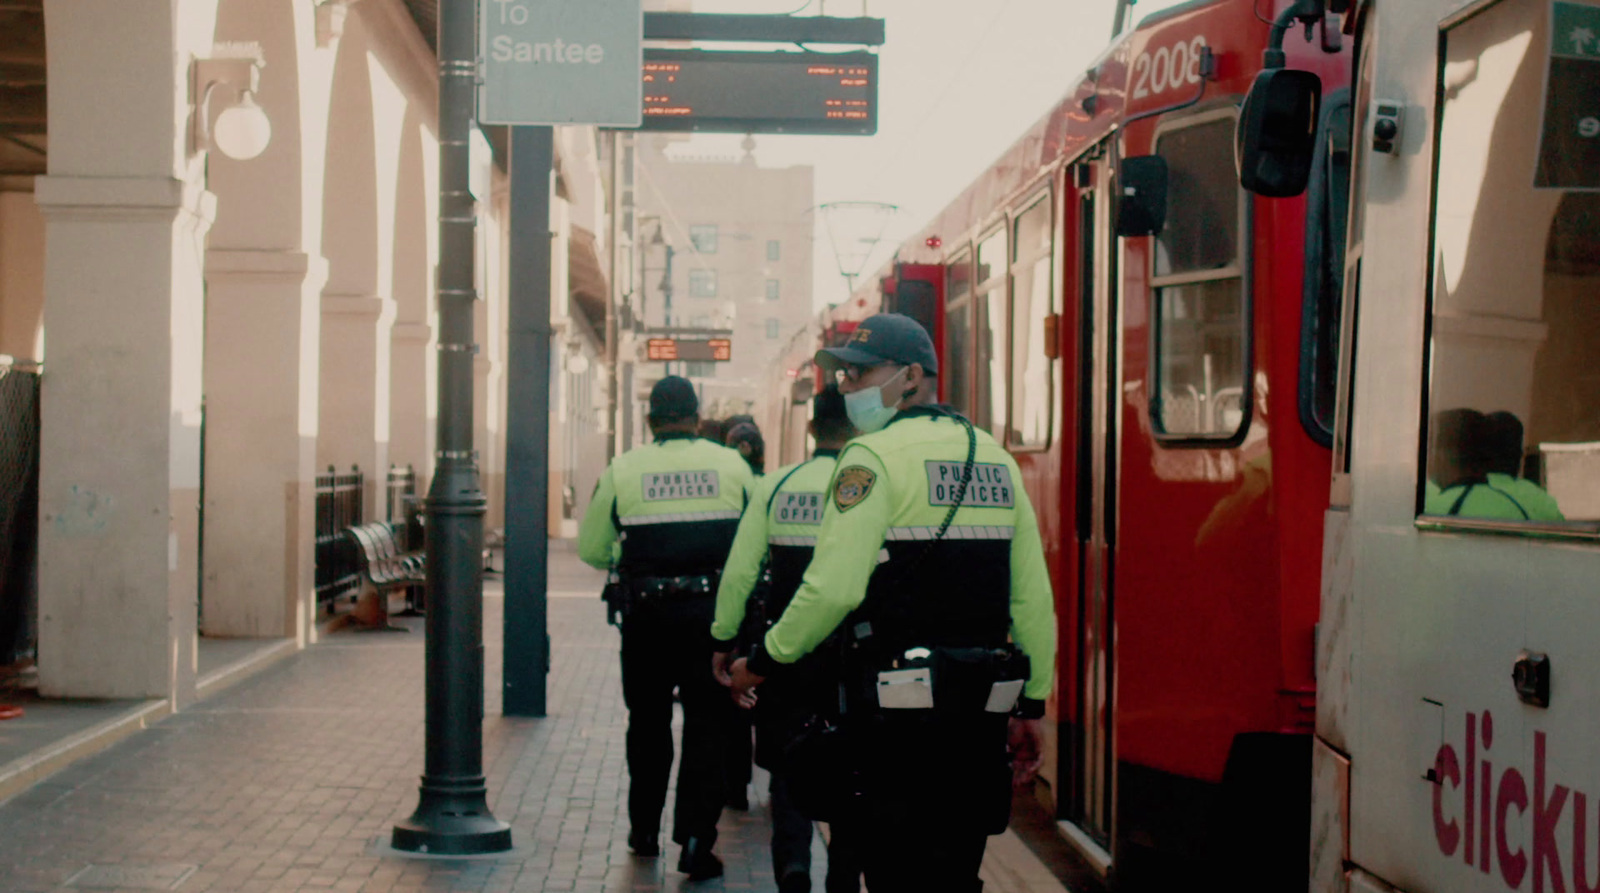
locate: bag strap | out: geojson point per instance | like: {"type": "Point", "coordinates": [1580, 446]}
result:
{"type": "Point", "coordinates": [955, 505]}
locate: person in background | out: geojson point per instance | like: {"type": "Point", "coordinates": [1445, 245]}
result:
{"type": "Point", "coordinates": [714, 430]}
{"type": "Point", "coordinates": [1505, 468]}
{"type": "Point", "coordinates": [746, 438]}
{"type": "Point", "coordinates": [1469, 456]}
{"type": "Point", "coordinates": [776, 538]}
{"type": "Point", "coordinates": [679, 500]}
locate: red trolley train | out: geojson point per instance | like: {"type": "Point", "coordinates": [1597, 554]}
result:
{"type": "Point", "coordinates": [1158, 350]}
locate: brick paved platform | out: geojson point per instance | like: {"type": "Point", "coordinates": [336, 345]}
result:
{"type": "Point", "coordinates": [291, 781]}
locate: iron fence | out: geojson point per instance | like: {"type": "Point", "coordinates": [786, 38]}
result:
{"type": "Point", "coordinates": [338, 507]}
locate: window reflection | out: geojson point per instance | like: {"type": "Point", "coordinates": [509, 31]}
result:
{"type": "Point", "coordinates": [1032, 302]}
{"type": "Point", "coordinates": [956, 362]}
{"type": "Point", "coordinates": [1515, 432]}
{"type": "Point", "coordinates": [1200, 322]}
{"type": "Point", "coordinates": [990, 390]}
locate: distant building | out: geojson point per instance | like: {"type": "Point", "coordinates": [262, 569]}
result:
{"type": "Point", "coordinates": [741, 244]}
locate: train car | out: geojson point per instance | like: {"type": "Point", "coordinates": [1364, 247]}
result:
{"type": "Point", "coordinates": [1155, 347]}
{"type": "Point", "coordinates": [1459, 689]}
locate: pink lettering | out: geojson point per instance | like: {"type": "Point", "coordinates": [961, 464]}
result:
{"type": "Point", "coordinates": [1546, 815]}
{"type": "Point", "coordinates": [1472, 784]}
{"type": "Point", "coordinates": [1445, 767]}
{"type": "Point", "coordinates": [1484, 823]}
{"type": "Point", "coordinates": [1580, 846]}
{"type": "Point", "coordinates": [1513, 792]}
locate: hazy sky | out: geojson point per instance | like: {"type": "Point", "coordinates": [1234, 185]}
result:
{"type": "Point", "coordinates": [960, 81]}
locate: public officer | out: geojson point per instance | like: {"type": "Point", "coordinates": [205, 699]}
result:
{"type": "Point", "coordinates": [776, 538]}
{"type": "Point", "coordinates": [675, 505]}
{"type": "Point", "coordinates": [929, 556]}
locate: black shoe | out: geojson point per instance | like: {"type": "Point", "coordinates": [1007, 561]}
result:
{"type": "Point", "coordinates": [698, 862]}
{"type": "Point", "coordinates": [644, 845]}
{"type": "Point", "coordinates": [739, 802]}
{"type": "Point", "coordinates": [795, 880]}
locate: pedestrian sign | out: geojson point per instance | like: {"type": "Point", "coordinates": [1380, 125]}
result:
{"type": "Point", "coordinates": [1569, 144]}
{"type": "Point", "coordinates": [561, 62]}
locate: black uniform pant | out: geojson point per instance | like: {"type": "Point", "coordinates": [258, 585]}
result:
{"type": "Point", "coordinates": [666, 647]}
{"type": "Point", "coordinates": [786, 703]}
{"type": "Point", "coordinates": [935, 786]}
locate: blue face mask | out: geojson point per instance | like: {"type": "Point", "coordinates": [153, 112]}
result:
{"type": "Point", "coordinates": [865, 407]}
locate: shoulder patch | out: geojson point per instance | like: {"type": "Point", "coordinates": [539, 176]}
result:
{"type": "Point", "coordinates": [852, 486]}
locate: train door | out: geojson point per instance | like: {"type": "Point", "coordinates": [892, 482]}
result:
{"type": "Point", "coordinates": [1087, 802]}
{"type": "Point", "coordinates": [917, 294]}
{"type": "Point", "coordinates": [1465, 626]}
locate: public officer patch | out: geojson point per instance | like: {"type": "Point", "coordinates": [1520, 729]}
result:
{"type": "Point", "coordinates": [852, 486]}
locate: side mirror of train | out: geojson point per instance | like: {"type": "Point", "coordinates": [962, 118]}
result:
{"type": "Point", "coordinates": [1142, 205]}
{"type": "Point", "coordinates": [1277, 133]}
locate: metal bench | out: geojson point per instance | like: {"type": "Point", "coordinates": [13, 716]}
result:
{"type": "Point", "coordinates": [385, 566]}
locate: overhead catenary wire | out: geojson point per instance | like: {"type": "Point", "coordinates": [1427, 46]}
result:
{"type": "Point", "coordinates": [957, 74]}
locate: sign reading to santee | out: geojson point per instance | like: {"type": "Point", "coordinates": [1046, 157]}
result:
{"type": "Point", "coordinates": [561, 62]}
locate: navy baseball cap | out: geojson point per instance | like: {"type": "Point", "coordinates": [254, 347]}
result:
{"type": "Point", "coordinates": [673, 397]}
{"type": "Point", "coordinates": [885, 338]}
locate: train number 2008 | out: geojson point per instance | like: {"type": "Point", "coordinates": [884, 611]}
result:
{"type": "Point", "coordinates": [1168, 68]}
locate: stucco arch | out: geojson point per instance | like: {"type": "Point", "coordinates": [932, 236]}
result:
{"type": "Point", "coordinates": [350, 191]}
{"type": "Point", "coordinates": [410, 428]}
{"type": "Point", "coordinates": [260, 202]}
{"type": "Point", "coordinates": [264, 281]}
{"type": "Point", "coordinates": [357, 314]}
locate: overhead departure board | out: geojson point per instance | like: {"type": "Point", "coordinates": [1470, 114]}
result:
{"type": "Point", "coordinates": [712, 350]}
{"type": "Point", "coordinates": [773, 92]}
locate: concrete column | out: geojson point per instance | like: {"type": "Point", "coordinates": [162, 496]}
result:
{"type": "Point", "coordinates": [262, 352]}
{"type": "Point", "coordinates": [410, 405]}
{"type": "Point", "coordinates": [353, 411]}
{"type": "Point", "coordinates": [120, 476]}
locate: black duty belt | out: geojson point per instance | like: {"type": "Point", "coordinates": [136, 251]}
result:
{"type": "Point", "coordinates": [675, 587]}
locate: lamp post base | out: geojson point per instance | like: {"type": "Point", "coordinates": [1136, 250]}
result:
{"type": "Point", "coordinates": [452, 825]}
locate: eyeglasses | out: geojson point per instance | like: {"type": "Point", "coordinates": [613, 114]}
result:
{"type": "Point", "coordinates": [854, 374]}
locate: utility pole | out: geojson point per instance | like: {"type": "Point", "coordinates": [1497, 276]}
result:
{"type": "Point", "coordinates": [666, 296]}
{"type": "Point", "coordinates": [452, 816]}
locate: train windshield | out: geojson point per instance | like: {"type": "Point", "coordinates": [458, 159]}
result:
{"type": "Point", "coordinates": [1514, 406]}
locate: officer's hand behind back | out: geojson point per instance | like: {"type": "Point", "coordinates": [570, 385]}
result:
{"type": "Point", "coordinates": [1026, 739]}
{"type": "Point", "coordinates": [720, 662]}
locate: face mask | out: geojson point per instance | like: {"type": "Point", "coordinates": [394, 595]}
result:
{"type": "Point", "coordinates": [865, 407]}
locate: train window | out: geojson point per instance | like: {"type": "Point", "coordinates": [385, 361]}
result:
{"type": "Point", "coordinates": [1032, 300]}
{"type": "Point", "coordinates": [1201, 321]}
{"type": "Point", "coordinates": [957, 359]}
{"type": "Point", "coordinates": [1514, 397]}
{"type": "Point", "coordinates": [990, 303]}
{"type": "Point", "coordinates": [1327, 219]}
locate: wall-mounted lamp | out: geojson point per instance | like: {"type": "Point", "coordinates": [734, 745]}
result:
{"type": "Point", "coordinates": [242, 131]}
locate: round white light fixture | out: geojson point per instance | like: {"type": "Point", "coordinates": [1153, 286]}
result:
{"type": "Point", "coordinates": [242, 131]}
{"type": "Point", "coordinates": [577, 363]}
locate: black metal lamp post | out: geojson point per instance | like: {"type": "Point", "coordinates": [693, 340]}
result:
{"type": "Point", "coordinates": [453, 816]}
